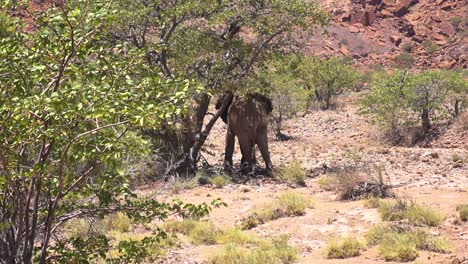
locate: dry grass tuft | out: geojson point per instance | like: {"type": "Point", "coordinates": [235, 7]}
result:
{"type": "Point", "coordinates": [275, 251]}
{"type": "Point", "coordinates": [293, 174]}
{"type": "Point", "coordinates": [219, 181]}
{"type": "Point", "coordinates": [343, 248]}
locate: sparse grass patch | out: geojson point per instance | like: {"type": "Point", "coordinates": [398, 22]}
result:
{"type": "Point", "coordinates": [416, 214]}
{"type": "Point", "coordinates": [429, 46]}
{"type": "Point", "coordinates": [219, 181]}
{"type": "Point", "coordinates": [199, 232]}
{"type": "Point", "coordinates": [326, 182]}
{"type": "Point", "coordinates": [462, 210]}
{"type": "Point", "coordinates": [292, 174]}
{"type": "Point", "coordinates": [237, 236]}
{"type": "Point", "coordinates": [183, 184]}
{"type": "Point", "coordinates": [343, 248]}
{"type": "Point", "coordinates": [276, 251]}
{"type": "Point", "coordinates": [400, 243]}
{"type": "Point", "coordinates": [287, 204]}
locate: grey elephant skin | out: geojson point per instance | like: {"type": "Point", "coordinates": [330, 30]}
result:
{"type": "Point", "coordinates": [247, 119]}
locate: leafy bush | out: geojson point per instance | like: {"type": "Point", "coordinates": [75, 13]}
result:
{"type": "Point", "coordinates": [430, 46]}
{"type": "Point", "coordinates": [72, 105]}
{"type": "Point", "coordinates": [287, 204]}
{"type": "Point", "coordinates": [416, 214]}
{"type": "Point", "coordinates": [276, 251]}
{"type": "Point", "coordinates": [219, 181]}
{"type": "Point", "coordinates": [328, 78]}
{"type": "Point", "coordinates": [343, 248]}
{"type": "Point", "coordinates": [282, 81]}
{"type": "Point", "coordinates": [293, 173]}
{"type": "Point", "coordinates": [463, 212]}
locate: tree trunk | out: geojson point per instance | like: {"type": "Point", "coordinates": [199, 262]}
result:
{"type": "Point", "coordinates": [196, 135]}
{"type": "Point", "coordinates": [426, 123]}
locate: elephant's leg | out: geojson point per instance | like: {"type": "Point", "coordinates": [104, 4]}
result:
{"type": "Point", "coordinates": [229, 150]}
{"type": "Point", "coordinates": [262, 142]}
{"type": "Point", "coordinates": [246, 149]}
{"type": "Point", "coordinates": [254, 157]}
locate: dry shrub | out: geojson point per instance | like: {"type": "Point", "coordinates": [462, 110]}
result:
{"type": "Point", "coordinates": [354, 184]}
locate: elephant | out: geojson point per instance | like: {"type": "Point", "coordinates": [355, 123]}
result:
{"type": "Point", "coordinates": [247, 119]}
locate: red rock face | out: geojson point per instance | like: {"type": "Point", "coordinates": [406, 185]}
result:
{"type": "Point", "coordinates": [374, 31]}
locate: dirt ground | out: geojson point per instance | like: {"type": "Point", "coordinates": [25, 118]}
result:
{"type": "Point", "coordinates": [325, 139]}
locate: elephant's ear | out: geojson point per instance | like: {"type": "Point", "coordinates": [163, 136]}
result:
{"type": "Point", "coordinates": [219, 103]}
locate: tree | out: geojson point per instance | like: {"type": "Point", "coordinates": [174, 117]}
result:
{"type": "Point", "coordinates": [68, 99]}
{"type": "Point", "coordinates": [216, 42]}
{"type": "Point", "coordinates": [429, 90]}
{"type": "Point", "coordinates": [281, 81]}
{"type": "Point", "coordinates": [402, 99]}
{"type": "Point", "coordinates": [328, 78]}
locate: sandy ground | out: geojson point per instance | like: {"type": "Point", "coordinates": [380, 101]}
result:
{"type": "Point", "coordinates": [326, 138]}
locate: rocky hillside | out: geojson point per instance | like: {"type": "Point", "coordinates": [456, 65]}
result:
{"type": "Point", "coordinates": [432, 33]}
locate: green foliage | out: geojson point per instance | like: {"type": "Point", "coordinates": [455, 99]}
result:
{"type": "Point", "coordinates": [282, 80]}
{"type": "Point", "coordinates": [276, 251]}
{"type": "Point", "coordinates": [219, 181]}
{"type": "Point", "coordinates": [343, 248]}
{"type": "Point", "coordinates": [402, 99]}
{"type": "Point", "coordinates": [287, 204]}
{"type": "Point", "coordinates": [405, 59]}
{"type": "Point", "coordinates": [328, 78]}
{"type": "Point", "coordinates": [430, 46]}
{"type": "Point", "coordinates": [293, 174]}
{"type": "Point", "coordinates": [463, 212]}
{"type": "Point", "coordinates": [416, 214]}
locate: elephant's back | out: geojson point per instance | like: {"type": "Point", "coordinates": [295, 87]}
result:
{"type": "Point", "coordinates": [247, 116]}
